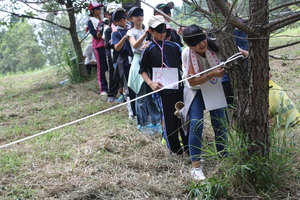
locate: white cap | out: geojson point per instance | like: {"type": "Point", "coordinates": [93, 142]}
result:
{"type": "Point", "coordinates": [111, 7]}
{"type": "Point", "coordinates": [156, 20]}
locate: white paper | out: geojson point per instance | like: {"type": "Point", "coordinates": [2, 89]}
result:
{"type": "Point", "coordinates": [213, 94]}
{"type": "Point", "coordinates": [166, 76]}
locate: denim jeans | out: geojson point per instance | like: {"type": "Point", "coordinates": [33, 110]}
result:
{"type": "Point", "coordinates": [218, 121]}
{"type": "Point", "coordinates": [146, 108]}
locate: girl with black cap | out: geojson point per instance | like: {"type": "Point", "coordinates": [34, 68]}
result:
{"type": "Point", "coordinates": [201, 54]}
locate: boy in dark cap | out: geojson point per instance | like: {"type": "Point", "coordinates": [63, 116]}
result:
{"type": "Point", "coordinates": [166, 9]}
{"type": "Point", "coordinates": [119, 40]}
{"type": "Point", "coordinates": [114, 80]}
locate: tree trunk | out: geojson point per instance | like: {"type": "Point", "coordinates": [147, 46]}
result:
{"type": "Point", "coordinates": [75, 40]}
{"type": "Point", "coordinates": [257, 119]}
{"type": "Point", "coordinates": [250, 83]}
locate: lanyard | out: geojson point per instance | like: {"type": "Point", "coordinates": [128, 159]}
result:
{"type": "Point", "coordinates": [162, 54]}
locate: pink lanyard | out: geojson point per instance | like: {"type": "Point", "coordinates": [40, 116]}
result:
{"type": "Point", "coordinates": [162, 54]}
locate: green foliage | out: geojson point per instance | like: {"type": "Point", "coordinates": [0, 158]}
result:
{"type": "Point", "coordinates": [209, 190]}
{"type": "Point", "coordinates": [53, 38]}
{"type": "Point", "coordinates": [70, 67]}
{"type": "Point", "coordinates": [20, 56]}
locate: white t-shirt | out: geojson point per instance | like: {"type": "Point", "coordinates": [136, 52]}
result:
{"type": "Point", "coordinates": [136, 34]}
{"type": "Point", "coordinates": [89, 55]}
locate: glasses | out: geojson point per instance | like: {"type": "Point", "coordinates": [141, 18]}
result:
{"type": "Point", "coordinates": [97, 8]}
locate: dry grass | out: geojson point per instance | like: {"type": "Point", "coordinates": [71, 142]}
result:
{"type": "Point", "coordinates": [103, 157]}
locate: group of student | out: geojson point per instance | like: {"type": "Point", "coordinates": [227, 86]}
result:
{"type": "Point", "coordinates": [134, 55]}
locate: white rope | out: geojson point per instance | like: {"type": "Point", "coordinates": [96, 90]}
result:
{"type": "Point", "coordinates": [234, 57]}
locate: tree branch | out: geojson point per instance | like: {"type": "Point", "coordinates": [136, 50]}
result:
{"type": "Point", "coordinates": [225, 12]}
{"type": "Point", "coordinates": [234, 20]}
{"type": "Point", "coordinates": [37, 18]}
{"type": "Point", "coordinates": [283, 46]}
{"type": "Point", "coordinates": [162, 13]}
{"type": "Point", "coordinates": [282, 22]}
{"type": "Point", "coordinates": [280, 58]}
{"type": "Point", "coordinates": [198, 8]}
{"type": "Point", "coordinates": [284, 5]}
{"type": "Point", "coordinates": [223, 7]}
{"type": "Point", "coordinates": [80, 5]}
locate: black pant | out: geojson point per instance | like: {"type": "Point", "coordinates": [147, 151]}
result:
{"type": "Point", "coordinates": [173, 124]}
{"type": "Point", "coordinates": [114, 78]}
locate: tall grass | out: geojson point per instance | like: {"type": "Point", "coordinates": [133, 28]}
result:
{"type": "Point", "coordinates": [256, 175]}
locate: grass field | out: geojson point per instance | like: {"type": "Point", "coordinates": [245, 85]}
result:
{"type": "Point", "coordinates": [102, 157]}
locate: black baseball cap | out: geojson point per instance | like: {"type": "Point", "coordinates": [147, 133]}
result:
{"type": "Point", "coordinates": [119, 14]}
{"type": "Point", "coordinates": [165, 7]}
{"type": "Point", "coordinates": [135, 12]}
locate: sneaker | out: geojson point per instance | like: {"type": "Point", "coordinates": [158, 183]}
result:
{"type": "Point", "coordinates": [197, 174]}
{"type": "Point", "coordinates": [110, 99]}
{"type": "Point", "coordinates": [121, 99]}
{"type": "Point", "coordinates": [155, 128]}
{"type": "Point", "coordinates": [103, 93]}
{"type": "Point", "coordinates": [145, 129]}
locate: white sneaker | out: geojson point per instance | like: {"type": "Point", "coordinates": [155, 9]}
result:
{"type": "Point", "coordinates": [197, 174]}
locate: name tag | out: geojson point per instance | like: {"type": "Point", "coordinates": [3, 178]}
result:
{"type": "Point", "coordinates": [168, 77]}
{"type": "Point", "coordinates": [213, 94]}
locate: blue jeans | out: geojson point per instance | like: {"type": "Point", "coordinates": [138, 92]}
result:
{"type": "Point", "coordinates": [146, 108]}
{"type": "Point", "coordinates": [218, 121]}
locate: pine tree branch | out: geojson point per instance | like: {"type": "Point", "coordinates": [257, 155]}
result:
{"type": "Point", "coordinates": [284, 5]}
{"type": "Point", "coordinates": [234, 20]}
{"type": "Point", "coordinates": [282, 22]}
{"type": "Point", "coordinates": [197, 7]}
{"type": "Point", "coordinates": [283, 46]}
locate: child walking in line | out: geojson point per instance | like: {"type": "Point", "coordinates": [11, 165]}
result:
{"type": "Point", "coordinates": [114, 79]}
{"type": "Point", "coordinates": [201, 54]}
{"type": "Point", "coordinates": [163, 56]}
{"type": "Point", "coordinates": [145, 107]}
{"type": "Point", "coordinates": [119, 40]}
{"type": "Point", "coordinates": [96, 26]}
